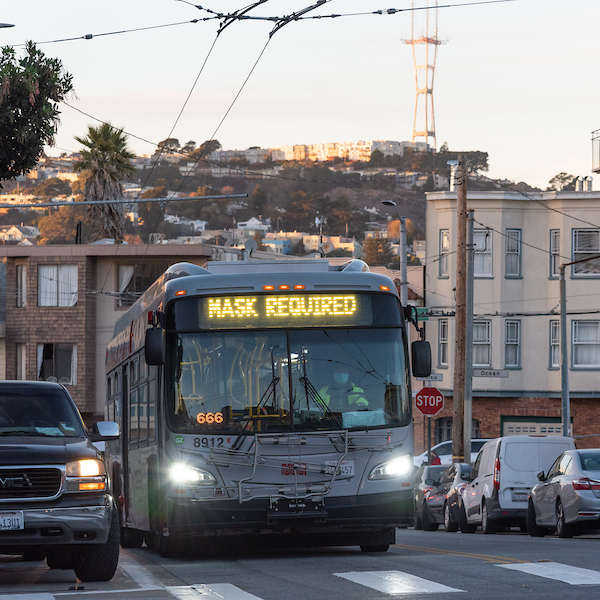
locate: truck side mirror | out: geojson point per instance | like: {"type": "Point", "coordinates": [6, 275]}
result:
{"type": "Point", "coordinates": [155, 346]}
{"type": "Point", "coordinates": [421, 358]}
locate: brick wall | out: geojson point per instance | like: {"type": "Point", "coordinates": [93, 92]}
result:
{"type": "Point", "coordinates": [33, 325]}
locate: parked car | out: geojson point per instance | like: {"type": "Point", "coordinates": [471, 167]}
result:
{"type": "Point", "coordinates": [444, 451]}
{"type": "Point", "coordinates": [444, 503]}
{"type": "Point", "coordinates": [567, 499]}
{"type": "Point", "coordinates": [502, 477]}
{"type": "Point", "coordinates": [54, 495]}
{"type": "Point", "coordinates": [425, 480]}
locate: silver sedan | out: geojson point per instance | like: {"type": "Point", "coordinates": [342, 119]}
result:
{"type": "Point", "coordinates": [567, 499]}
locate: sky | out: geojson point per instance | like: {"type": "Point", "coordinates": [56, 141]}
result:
{"type": "Point", "coordinates": [516, 79]}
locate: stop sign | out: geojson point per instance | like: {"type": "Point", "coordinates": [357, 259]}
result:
{"type": "Point", "coordinates": [429, 401]}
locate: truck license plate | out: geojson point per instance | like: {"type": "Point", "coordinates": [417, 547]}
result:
{"type": "Point", "coordinates": [519, 497]}
{"type": "Point", "coordinates": [11, 521]}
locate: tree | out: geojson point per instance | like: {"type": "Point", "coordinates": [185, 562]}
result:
{"type": "Point", "coordinates": [206, 148]}
{"type": "Point", "coordinates": [169, 145]}
{"type": "Point", "coordinates": [106, 161]}
{"type": "Point", "coordinates": [30, 89]}
{"type": "Point", "coordinates": [257, 203]}
{"type": "Point", "coordinates": [562, 181]}
{"type": "Point", "coordinates": [377, 252]}
{"type": "Point", "coordinates": [188, 148]}
{"type": "Point", "coordinates": [53, 186]}
{"type": "Point", "coordinates": [61, 227]}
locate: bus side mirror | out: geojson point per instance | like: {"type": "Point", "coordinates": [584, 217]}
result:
{"type": "Point", "coordinates": [155, 346]}
{"type": "Point", "coordinates": [421, 358]}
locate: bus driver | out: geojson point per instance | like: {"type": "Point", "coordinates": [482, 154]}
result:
{"type": "Point", "coordinates": [343, 395]}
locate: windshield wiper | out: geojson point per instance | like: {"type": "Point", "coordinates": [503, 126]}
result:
{"type": "Point", "coordinates": [31, 431]}
{"type": "Point", "coordinates": [314, 396]}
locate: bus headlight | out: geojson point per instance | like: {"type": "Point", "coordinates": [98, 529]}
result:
{"type": "Point", "coordinates": [398, 467]}
{"type": "Point", "coordinates": [182, 473]}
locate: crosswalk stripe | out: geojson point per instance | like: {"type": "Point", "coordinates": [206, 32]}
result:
{"type": "Point", "coordinates": [559, 572]}
{"type": "Point", "coordinates": [41, 596]}
{"type": "Point", "coordinates": [396, 582]}
{"type": "Point", "coordinates": [222, 591]}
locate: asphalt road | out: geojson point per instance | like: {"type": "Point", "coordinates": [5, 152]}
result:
{"type": "Point", "coordinates": [436, 565]}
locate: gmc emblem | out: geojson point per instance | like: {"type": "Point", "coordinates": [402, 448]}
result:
{"type": "Point", "coordinates": [16, 482]}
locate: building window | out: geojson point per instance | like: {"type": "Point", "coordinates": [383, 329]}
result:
{"type": "Point", "coordinates": [554, 344]}
{"type": "Point", "coordinates": [482, 261]}
{"type": "Point", "coordinates": [554, 252]}
{"type": "Point", "coordinates": [512, 346]}
{"type": "Point", "coordinates": [482, 343]}
{"type": "Point", "coordinates": [443, 342]}
{"type": "Point", "coordinates": [57, 285]}
{"type": "Point", "coordinates": [586, 243]}
{"type": "Point", "coordinates": [21, 286]}
{"type": "Point", "coordinates": [57, 362]}
{"type": "Point", "coordinates": [444, 252]}
{"type": "Point", "coordinates": [513, 253]}
{"type": "Point", "coordinates": [21, 362]}
{"type": "Point", "coordinates": [134, 280]}
{"type": "Point", "coordinates": [586, 344]}
{"type": "Point", "coordinates": [443, 430]}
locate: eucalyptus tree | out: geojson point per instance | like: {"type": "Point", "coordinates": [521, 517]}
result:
{"type": "Point", "coordinates": [106, 163]}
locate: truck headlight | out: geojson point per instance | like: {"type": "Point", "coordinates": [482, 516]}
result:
{"type": "Point", "coordinates": [182, 473]}
{"type": "Point", "coordinates": [398, 467]}
{"type": "Point", "coordinates": [89, 467]}
{"type": "Point", "coordinates": [87, 475]}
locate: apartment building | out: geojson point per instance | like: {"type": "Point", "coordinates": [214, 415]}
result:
{"type": "Point", "coordinates": [61, 304]}
{"type": "Point", "coordinates": [520, 242]}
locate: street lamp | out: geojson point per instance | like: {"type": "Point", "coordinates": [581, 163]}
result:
{"type": "Point", "coordinates": [402, 254]}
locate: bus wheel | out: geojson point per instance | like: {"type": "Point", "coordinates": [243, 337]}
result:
{"type": "Point", "coordinates": [131, 538]}
{"type": "Point", "coordinates": [98, 562]}
{"type": "Point", "coordinates": [375, 548]}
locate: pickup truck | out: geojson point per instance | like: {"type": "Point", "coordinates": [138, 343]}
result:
{"type": "Point", "coordinates": [54, 490]}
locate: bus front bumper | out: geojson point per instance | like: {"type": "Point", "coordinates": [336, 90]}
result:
{"type": "Point", "coordinates": [364, 512]}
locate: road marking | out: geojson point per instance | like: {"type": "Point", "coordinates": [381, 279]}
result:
{"type": "Point", "coordinates": [223, 591]}
{"type": "Point", "coordinates": [558, 571]}
{"type": "Point", "coordinates": [396, 582]}
{"type": "Point", "coordinates": [486, 557]}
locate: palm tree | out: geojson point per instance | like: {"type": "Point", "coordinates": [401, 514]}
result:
{"type": "Point", "coordinates": [106, 159]}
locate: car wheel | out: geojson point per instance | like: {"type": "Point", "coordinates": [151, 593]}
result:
{"type": "Point", "coordinates": [533, 528]}
{"type": "Point", "coordinates": [463, 524]}
{"type": "Point", "coordinates": [562, 529]}
{"type": "Point", "coordinates": [428, 524]}
{"type": "Point", "coordinates": [98, 562]}
{"type": "Point", "coordinates": [487, 525]}
{"type": "Point", "coordinates": [449, 524]}
{"type": "Point", "coordinates": [131, 538]}
{"type": "Point", "coordinates": [418, 520]}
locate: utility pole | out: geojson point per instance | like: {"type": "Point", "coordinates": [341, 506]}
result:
{"type": "Point", "coordinates": [402, 255]}
{"type": "Point", "coordinates": [468, 408]}
{"type": "Point", "coordinates": [460, 322]}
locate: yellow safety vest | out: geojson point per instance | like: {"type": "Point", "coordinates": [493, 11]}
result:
{"type": "Point", "coordinates": [355, 396]}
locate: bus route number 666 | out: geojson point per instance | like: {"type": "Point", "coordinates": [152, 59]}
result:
{"type": "Point", "coordinates": [209, 418]}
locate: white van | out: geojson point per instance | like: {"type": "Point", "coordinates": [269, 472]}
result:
{"type": "Point", "coordinates": [503, 474]}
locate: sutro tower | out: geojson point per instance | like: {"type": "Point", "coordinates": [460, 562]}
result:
{"type": "Point", "coordinates": [424, 55]}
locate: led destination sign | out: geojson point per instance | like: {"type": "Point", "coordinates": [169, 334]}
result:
{"type": "Point", "coordinates": [278, 310]}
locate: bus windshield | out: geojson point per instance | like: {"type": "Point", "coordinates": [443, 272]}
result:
{"type": "Point", "coordinates": [287, 380]}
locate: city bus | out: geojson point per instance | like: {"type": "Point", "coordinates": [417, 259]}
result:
{"type": "Point", "coordinates": [264, 397]}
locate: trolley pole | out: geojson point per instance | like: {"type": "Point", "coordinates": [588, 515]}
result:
{"type": "Point", "coordinates": [458, 429]}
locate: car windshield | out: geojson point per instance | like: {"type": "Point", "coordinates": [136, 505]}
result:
{"type": "Point", "coordinates": [284, 380]}
{"type": "Point", "coordinates": [434, 472]}
{"type": "Point", "coordinates": [40, 411]}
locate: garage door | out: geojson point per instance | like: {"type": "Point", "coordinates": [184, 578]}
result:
{"type": "Point", "coordinates": [531, 428]}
